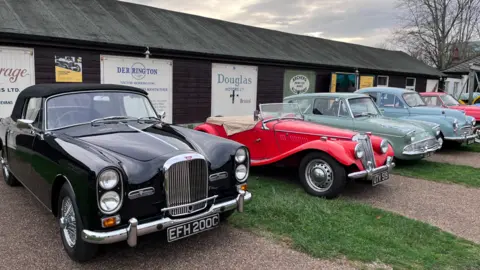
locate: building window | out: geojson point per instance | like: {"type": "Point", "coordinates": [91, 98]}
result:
{"type": "Point", "coordinates": [382, 80]}
{"type": "Point", "coordinates": [410, 83]}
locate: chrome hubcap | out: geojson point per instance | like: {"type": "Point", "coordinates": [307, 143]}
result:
{"type": "Point", "coordinates": [68, 223]}
{"type": "Point", "coordinates": [319, 175]}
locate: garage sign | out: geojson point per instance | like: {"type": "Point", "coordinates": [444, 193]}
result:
{"type": "Point", "coordinates": [17, 72]}
{"type": "Point", "coordinates": [298, 82]}
{"type": "Point", "coordinates": [234, 89]}
{"type": "Point", "coordinates": [153, 75]}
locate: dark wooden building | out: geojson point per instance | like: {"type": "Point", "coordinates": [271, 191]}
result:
{"type": "Point", "coordinates": [89, 30]}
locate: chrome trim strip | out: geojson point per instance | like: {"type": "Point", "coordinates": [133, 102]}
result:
{"type": "Point", "coordinates": [148, 134]}
{"type": "Point", "coordinates": [461, 138]}
{"type": "Point", "coordinates": [190, 204]}
{"type": "Point", "coordinates": [135, 229]}
{"type": "Point", "coordinates": [313, 134]}
{"type": "Point", "coordinates": [143, 192]}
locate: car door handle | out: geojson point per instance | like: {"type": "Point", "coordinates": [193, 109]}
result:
{"type": "Point", "coordinates": [258, 140]}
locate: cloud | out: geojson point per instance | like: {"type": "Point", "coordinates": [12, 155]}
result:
{"type": "Point", "coordinates": [366, 22]}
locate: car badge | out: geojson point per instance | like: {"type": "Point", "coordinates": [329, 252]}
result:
{"type": "Point", "coordinates": [188, 157]}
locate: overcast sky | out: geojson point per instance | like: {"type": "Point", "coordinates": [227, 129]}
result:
{"type": "Point", "coordinates": [366, 22]}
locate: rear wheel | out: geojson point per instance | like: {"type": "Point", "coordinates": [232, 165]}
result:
{"type": "Point", "coordinates": [321, 175]}
{"type": "Point", "coordinates": [71, 227]}
{"type": "Point", "coordinates": [7, 176]}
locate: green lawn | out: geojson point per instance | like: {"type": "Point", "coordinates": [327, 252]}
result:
{"type": "Point", "coordinates": [470, 148]}
{"type": "Point", "coordinates": [336, 228]}
{"type": "Point", "coordinates": [440, 172]}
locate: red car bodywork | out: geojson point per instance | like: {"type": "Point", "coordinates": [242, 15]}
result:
{"type": "Point", "coordinates": [470, 110]}
{"type": "Point", "coordinates": [288, 138]}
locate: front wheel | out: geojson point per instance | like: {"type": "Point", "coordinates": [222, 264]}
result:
{"type": "Point", "coordinates": [71, 227]}
{"type": "Point", "coordinates": [322, 176]}
{"type": "Point", "coordinates": [7, 176]}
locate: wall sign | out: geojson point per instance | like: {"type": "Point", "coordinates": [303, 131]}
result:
{"type": "Point", "coordinates": [17, 72]}
{"type": "Point", "coordinates": [234, 89]}
{"type": "Point", "coordinates": [432, 85]}
{"type": "Point", "coordinates": [298, 82]}
{"type": "Point", "coordinates": [68, 69]}
{"type": "Point", "coordinates": [366, 81]}
{"type": "Point", "coordinates": [153, 75]}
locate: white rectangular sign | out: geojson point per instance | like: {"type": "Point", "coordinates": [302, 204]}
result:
{"type": "Point", "coordinates": [153, 75]}
{"type": "Point", "coordinates": [17, 72]}
{"type": "Point", "coordinates": [234, 89]}
{"type": "Point", "coordinates": [432, 85]}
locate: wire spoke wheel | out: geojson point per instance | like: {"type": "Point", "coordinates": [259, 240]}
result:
{"type": "Point", "coordinates": [319, 175]}
{"type": "Point", "coordinates": [68, 222]}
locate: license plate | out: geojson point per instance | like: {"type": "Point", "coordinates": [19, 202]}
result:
{"type": "Point", "coordinates": [470, 141]}
{"type": "Point", "coordinates": [380, 177]}
{"type": "Point", "coordinates": [428, 154]}
{"type": "Point", "coordinates": [193, 227]}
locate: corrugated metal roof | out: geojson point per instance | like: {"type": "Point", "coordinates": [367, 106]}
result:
{"type": "Point", "coordinates": [463, 67]}
{"type": "Point", "coordinates": [115, 22]}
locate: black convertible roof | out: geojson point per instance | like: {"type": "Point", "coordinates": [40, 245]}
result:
{"type": "Point", "coordinates": [46, 90]}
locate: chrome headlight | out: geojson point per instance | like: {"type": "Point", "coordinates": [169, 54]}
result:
{"type": "Point", "coordinates": [455, 124]}
{"type": "Point", "coordinates": [240, 155]}
{"type": "Point", "coordinates": [359, 152]}
{"type": "Point", "coordinates": [110, 202]}
{"type": "Point", "coordinates": [438, 132]}
{"type": "Point", "coordinates": [384, 146]}
{"type": "Point", "coordinates": [474, 122]}
{"type": "Point", "coordinates": [241, 173]}
{"type": "Point", "coordinates": [108, 179]}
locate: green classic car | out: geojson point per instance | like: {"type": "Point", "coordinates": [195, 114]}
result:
{"type": "Point", "coordinates": [410, 139]}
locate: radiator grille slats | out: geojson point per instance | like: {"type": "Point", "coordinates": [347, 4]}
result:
{"type": "Point", "coordinates": [369, 154]}
{"type": "Point", "coordinates": [186, 182]}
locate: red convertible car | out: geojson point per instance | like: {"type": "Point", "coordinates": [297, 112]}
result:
{"type": "Point", "coordinates": [326, 157]}
{"type": "Point", "coordinates": [441, 99]}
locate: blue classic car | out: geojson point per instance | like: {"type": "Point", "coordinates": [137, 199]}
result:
{"type": "Point", "coordinates": [455, 126]}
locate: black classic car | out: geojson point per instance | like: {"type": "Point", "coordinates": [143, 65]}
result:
{"type": "Point", "coordinates": [101, 159]}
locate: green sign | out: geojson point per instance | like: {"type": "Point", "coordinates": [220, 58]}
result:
{"type": "Point", "coordinates": [298, 82]}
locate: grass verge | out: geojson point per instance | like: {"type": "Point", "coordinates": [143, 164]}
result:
{"type": "Point", "coordinates": [332, 229]}
{"type": "Point", "coordinates": [469, 148]}
{"type": "Point", "coordinates": [439, 172]}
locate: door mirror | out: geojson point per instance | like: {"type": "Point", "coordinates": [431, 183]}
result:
{"type": "Point", "coordinates": [255, 115]}
{"type": "Point", "coordinates": [24, 123]}
{"type": "Point", "coordinates": [162, 115]}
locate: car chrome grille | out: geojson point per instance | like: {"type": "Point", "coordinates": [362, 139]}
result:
{"type": "Point", "coordinates": [423, 145]}
{"type": "Point", "coordinates": [369, 156]}
{"type": "Point", "coordinates": [186, 181]}
{"type": "Point", "coordinates": [466, 130]}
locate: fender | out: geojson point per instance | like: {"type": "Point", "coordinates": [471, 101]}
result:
{"type": "Point", "coordinates": [209, 129]}
{"type": "Point", "coordinates": [335, 149]}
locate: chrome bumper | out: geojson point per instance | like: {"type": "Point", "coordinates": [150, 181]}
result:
{"type": "Point", "coordinates": [368, 174]}
{"type": "Point", "coordinates": [131, 233]}
{"type": "Point", "coordinates": [463, 138]}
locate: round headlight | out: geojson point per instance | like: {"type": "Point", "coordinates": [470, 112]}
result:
{"type": "Point", "coordinates": [474, 122]}
{"type": "Point", "coordinates": [412, 138]}
{"type": "Point", "coordinates": [241, 173]}
{"type": "Point", "coordinates": [359, 151]}
{"type": "Point", "coordinates": [455, 124]}
{"type": "Point", "coordinates": [384, 146]}
{"type": "Point", "coordinates": [110, 201]}
{"type": "Point", "coordinates": [108, 179]}
{"type": "Point", "coordinates": [438, 132]}
{"type": "Point", "coordinates": [240, 155]}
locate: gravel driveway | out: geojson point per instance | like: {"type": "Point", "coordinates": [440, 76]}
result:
{"type": "Point", "coordinates": [29, 239]}
{"type": "Point", "coordinates": [456, 157]}
{"type": "Point", "coordinates": [453, 208]}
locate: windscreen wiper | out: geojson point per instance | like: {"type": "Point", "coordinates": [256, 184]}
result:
{"type": "Point", "coordinates": [112, 119]}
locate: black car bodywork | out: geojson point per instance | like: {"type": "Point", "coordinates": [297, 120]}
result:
{"type": "Point", "coordinates": [169, 175]}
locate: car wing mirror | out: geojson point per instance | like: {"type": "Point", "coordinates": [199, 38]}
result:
{"type": "Point", "coordinates": [24, 123]}
{"type": "Point", "coordinates": [162, 115]}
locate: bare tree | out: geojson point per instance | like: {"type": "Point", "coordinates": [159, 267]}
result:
{"type": "Point", "coordinates": [431, 29]}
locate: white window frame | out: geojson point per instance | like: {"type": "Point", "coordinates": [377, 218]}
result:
{"type": "Point", "coordinates": [414, 83]}
{"type": "Point", "coordinates": [378, 76]}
